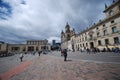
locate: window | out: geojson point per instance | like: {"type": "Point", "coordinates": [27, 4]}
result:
{"type": "Point", "coordinates": [111, 12]}
{"type": "Point", "coordinates": [86, 38]}
{"type": "Point", "coordinates": [31, 48]}
{"type": "Point", "coordinates": [76, 47]}
{"type": "Point", "coordinates": [106, 41]}
{"type": "Point", "coordinates": [114, 29]}
{"type": "Point", "coordinates": [15, 48]}
{"type": "Point", "coordinates": [97, 28]}
{"type": "Point", "coordinates": [119, 7]}
{"type": "Point", "coordinates": [116, 40]}
{"type": "Point", "coordinates": [105, 32]}
{"type": "Point", "coordinates": [83, 44]}
{"type": "Point", "coordinates": [27, 42]}
{"type": "Point", "coordinates": [80, 45]}
{"type": "Point", "coordinates": [112, 21]}
{"type": "Point", "coordinates": [86, 45]}
{"type": "Point", "coordinates": [0, 46]}
{"type": "Point", "coordinates": [99, 42]}
{"type": "Point", "coordinates": [37, 48]}
{"type": "Point", "coordinates": [82, 39]}
{"type": "Point", "coordinates": [68, 37]}
{"type": "Point", "coordinates": [103, 25]}
{"type": "Point", "coordinates": [91, 37]}
{"type": "Point", "coordinates": [24, 49]}
{"type": "Point", "coordinates": [42, 47]}
{"type": "Point", "coordinates": [33, 42]}
{"type": "Point", "coordinates": [98, 34]}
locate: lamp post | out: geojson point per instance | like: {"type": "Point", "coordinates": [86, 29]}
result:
{"type": "Point", "coordinates": [45, 43]}
{"type": "Point", "coordinates": [72, 45]}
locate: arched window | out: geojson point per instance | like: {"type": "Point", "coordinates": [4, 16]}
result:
{"type": "Point", "coordinates": [98, 34]}
{"type": "Point", "coordinates": [114, 29]}
{"type": "Point", "coordinates": [105, 32]}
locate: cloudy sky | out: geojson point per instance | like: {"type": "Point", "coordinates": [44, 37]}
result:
{"type": "Point", "coordinates": [22, 20]}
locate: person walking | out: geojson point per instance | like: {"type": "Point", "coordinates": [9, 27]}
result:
{"type": "Point", "coordinates": [39, 52]}
{"type": "Point", "coordinates": [21, 57]}
{"type": "Point", "coordinates": [88, 50]}
{"type": "Point", "coordinates": [65, 54]}
{"type": "Point", "coordinates": [62, 52]}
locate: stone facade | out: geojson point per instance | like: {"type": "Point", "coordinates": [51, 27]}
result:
{"type": "Point", "coordinates": [104, 34]}
{"type": "Point", "coordinates": [37, 45]}
{"type": "Point", "coordinates": [3, 46]}
{"type": "Point", "coordinates": [32, 45]}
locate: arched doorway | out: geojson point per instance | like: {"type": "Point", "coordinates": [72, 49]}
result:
{"type": "Point", "coordinates": [30, 48]}
{"type": "Point", "coordinates": [91, 45]}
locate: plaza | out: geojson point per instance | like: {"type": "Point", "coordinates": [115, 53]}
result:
{"type": "Point", "coordinates": [92, 49]}
{"type": "Point", "coordinates": [79, 66]}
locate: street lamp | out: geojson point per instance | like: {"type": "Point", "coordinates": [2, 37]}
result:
{"type": "Point", "coordinates": [72, 45]}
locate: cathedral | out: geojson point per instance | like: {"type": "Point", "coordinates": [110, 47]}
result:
{"type": "Point", "coordinates": [66, 36]}
{"type": "Point", "coordinates": [103, 34]}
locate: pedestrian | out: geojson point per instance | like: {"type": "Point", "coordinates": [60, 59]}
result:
{"type": "Point", "coordinates": [62, 52]}
{"type": "Point", "coordinates": [65, 54]}
{"type": "Point", "coordinates": [21, 57]}
{"type": "Point", "coordinates": [39, 52]}
{"type": "Point", "coordinates": [34, 53]}
{"type": "Point", "coordinates": [88, 50]}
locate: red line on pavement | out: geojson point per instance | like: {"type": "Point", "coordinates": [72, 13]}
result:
{"type": "Point", "coordinates": [14, 71]}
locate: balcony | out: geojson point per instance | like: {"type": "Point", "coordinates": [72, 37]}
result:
{"type": "Point", "coordinates": [92, 39]}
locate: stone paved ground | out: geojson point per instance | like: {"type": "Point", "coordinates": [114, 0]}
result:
{"type": "Point", "coordinates": [48, 67]}
{"type": "Point", "coordinates": [6, 63]}
{"type": "Point", "coordinates": [15, 70]}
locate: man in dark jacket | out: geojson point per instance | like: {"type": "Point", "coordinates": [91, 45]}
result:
{"type": "Point", "coordinates": [65, 54]}
{"type": "Point", "coordinates": [39, 52]}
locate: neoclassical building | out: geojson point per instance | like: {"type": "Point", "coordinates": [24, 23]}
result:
{"type": "Point", "coordinates": [31, 45]}
{"type": "Point", "coordinates": [104, 34]}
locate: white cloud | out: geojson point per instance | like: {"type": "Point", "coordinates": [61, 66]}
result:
{"type": "Point", "coordinates": [3, 9]}
{"type": "Point", "coordinates": [44, 19]}
{"type": "Point", "coordinates": [54, 38]}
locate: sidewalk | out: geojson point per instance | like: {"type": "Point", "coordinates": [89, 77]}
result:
{"type": "Point", "coordinates": [48, 67]}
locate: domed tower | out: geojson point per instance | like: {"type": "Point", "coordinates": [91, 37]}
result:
{"type": "Point", "coordinates": [67, 28]}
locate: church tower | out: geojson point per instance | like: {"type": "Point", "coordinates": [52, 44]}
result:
{"type": "Point", "coordinates": [66, 36]}
{"type": "Point", "coordinates": [67, 32]}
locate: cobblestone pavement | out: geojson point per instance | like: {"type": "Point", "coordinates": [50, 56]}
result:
{"type": "Point", "coordinates": [47, 67]}
{"type": "Point", "coordinates": [101, 57]}
{"type": "Point", "coordinates": [7, 63]}
{"type": "Point", "coordinates": [15, 70]}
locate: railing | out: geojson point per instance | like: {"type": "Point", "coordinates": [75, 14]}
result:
{"type": "Point", "coordinates": [92, 39]}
